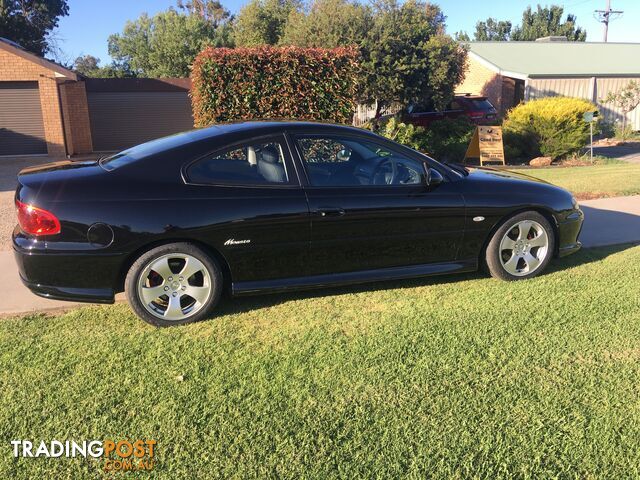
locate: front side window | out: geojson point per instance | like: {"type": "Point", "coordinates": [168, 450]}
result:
{"type": "Point", "coordinates": [255, 163]}
{"type": "Point", "coordinates": [335, 161]}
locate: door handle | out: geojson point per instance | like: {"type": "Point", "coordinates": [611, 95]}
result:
{"type": "Point", "coordinates": [330, 211]}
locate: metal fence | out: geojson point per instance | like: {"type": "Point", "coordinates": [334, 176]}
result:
{"type": "Point", "coordinates": [594, 89]}
{"type": "Point", "coordinates": [364, 113]}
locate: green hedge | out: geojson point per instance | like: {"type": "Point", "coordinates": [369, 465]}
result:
{"type": "Point", "coordinates": [270, 82]}
{"type": "Point", "coordinates": [552, 126]}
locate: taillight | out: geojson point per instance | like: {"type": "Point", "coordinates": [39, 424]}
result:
{"type": "Point", "coordinates": [36, 221]}
{"type": "Point", "coordinates": [476, 114]}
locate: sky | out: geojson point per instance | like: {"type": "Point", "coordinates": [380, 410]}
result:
{"type": "Point", "coordinates": [90, 22]}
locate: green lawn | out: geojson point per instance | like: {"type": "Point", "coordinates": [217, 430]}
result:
{"type": "Point", "coordinates": [448, 377]}
{"type": "Point", "coordinates": [610, 180]}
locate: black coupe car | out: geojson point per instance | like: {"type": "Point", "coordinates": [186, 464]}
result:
{"type": "Point", "coordinates": [272, 206]}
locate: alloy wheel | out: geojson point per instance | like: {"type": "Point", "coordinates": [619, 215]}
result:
{"type": "Point", "coordinates": [174, 286]}
{"type": "Point", "coordinates": [523, 248]}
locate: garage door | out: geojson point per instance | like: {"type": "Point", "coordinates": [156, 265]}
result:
{"type": "Point", "coordinates": [21, 126]}
{"type": "Point", "coordinates": [123, 119]}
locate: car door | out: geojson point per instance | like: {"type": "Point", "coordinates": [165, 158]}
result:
{"type": "Point", "coordinates": [422, 117]}
{"type": "Point", "coordinates": [251, 208]}
{"type": "Point", "coordinates": [370, 207]}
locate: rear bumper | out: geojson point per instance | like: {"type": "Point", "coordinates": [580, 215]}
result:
{"type": "Point", "coordinates": [71, 276]}
{"type": "Point", "coordinates": [70, 294]}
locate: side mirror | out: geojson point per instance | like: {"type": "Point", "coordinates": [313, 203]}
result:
{"type": "Point", "coordinates": [343, 155]}
{"type": "Point", "coordinates": [431, 176]}
{"type": "Point", "coordinates": [435, 177]}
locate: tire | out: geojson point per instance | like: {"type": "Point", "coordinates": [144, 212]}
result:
{"type": "Point", "coordinates": [516, 252]}
{"type": "Point", "coordinates": [160, 283]}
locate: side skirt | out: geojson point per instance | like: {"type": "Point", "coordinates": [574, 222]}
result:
{"type": "Point", "coordinates": [352, 278]}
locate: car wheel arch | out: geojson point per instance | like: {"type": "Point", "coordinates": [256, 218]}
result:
{"type": "Point", "coordinates": [541, 210]}
{"type": "Point", "coordinates": [131, 258]}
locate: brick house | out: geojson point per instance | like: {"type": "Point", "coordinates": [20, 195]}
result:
{"type": "Point", "coordinates": [511, 72]}
{"type": "Point", "coordinates": [43, 106]}
{"type": "Point", "coordinates": [50, 110]}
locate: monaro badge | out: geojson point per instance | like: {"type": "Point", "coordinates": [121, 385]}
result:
{"type": "Point", "coordinates": [233, 241]}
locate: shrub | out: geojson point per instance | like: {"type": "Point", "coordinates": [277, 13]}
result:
{"type": "Point", "coordinates": [552, 126]}
{"type": "Point", "coordinates": [269, 82]}
{"type": "Point", "coordinates": [623, 132]}
{"type": "Point", "coordinates": [445, 140]}
{"type": "Point", "coordinates": [406, 134]}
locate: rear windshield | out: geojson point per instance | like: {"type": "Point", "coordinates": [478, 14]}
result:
{"type": "Point", "coordinates": [147, 149]}
{"type": "Point", "coordinates": [481, 104]}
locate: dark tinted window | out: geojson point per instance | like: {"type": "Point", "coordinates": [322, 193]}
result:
{"type": "Point", "coordinates": [484, 105]}
{"type": "Point", "coordinates": [143, 150]}
{"type": "Point", "coordinates": [258, 163]}
{"type": "Point", "coordinates": [346, 161]}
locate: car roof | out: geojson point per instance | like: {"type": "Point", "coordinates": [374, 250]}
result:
{"type": "Point", "coordinates": [470, 96]}
{"type": "Point", "coordinates": [203, 138]}
{"type": "Point", "coordinates": [256, 126]}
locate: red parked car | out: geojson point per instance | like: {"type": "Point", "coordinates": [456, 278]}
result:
{"type": "Point", "coordinates": [476, 108]}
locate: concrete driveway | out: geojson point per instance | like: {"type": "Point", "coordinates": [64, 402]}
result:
{"type": "Point", "coordinates": [608, 221]}
{"type": "Point", "coordinates": [611, 221]}
{"type": "Point", "coordinates": [630, 152]}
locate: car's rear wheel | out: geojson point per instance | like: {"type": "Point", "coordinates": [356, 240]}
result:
{"type": "Point", "coordinates": [174, 284]}
{"type": "Point", "coordinates": [521, 248]}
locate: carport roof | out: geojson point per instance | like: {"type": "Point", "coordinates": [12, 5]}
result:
{"type": "Point", "coordinates": [556, 59]}
{"type": "Point", "coordinates": [16, 49]}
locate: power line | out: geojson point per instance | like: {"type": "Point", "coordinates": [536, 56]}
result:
{"type": "Point", "coordinates": [606, 16]}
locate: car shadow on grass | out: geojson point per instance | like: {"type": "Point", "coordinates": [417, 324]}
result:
{"type": "Point", "coordinates": [237, 305]}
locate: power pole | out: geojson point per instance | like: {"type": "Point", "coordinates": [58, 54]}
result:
{"type": "Point", "coordinates": [605, 16]}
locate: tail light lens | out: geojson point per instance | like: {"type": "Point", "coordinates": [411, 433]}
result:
{"type": "Point", "coordinates": [36, 221]}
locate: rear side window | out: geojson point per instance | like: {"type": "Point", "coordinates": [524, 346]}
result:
{"type": "Point", "coordinates": [254, 163]}
{"type": "Point", "coordinates": [153, 147]}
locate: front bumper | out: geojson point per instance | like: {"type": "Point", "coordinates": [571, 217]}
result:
{"type": "Point", "coordinates": [568, 232]}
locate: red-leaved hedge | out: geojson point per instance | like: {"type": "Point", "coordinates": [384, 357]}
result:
{"type": "Point", "coordinates": [231, 84]}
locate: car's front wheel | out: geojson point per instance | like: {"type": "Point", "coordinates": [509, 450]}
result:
{"type": "Point", "coordinates": [521, 248]}
{"type": "Point", "coordinates": [174, 284]}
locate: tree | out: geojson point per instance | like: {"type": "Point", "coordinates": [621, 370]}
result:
{"type": "Point", "coordinates": [407, 57]}
{"type": "Point", "coordinates": [29, 22]}
{"type": "Point", "coordinates": [262, 22]}
{"type": "Point", "coordinates": [546, 22]}
{"type": "Point", "coordinates": [626, 99]}
{"type": "Point", "coordinates": [328, 24]}
{"type": "Point", "coordinates": [492, 30]}
{"type": "Point", "coordinates": [89, 66]}
{"type": "Point", "coordinates": [462, 36]}
{"type": "Point", "coordinates": [166, 44]}
{"type": "Point", "coordinates": [86, 65]}
{"type": "Point", "coordinates": [210, 10]}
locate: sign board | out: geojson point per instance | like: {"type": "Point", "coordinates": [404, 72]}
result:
{"type": "Point", "coordinates": [589, 116]}
{"type": "Point", "coordinates": [486, 145]}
